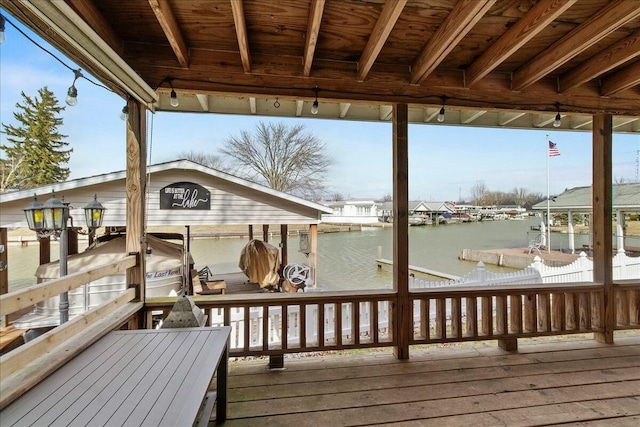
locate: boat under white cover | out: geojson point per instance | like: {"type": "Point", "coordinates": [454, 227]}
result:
{"type": "Point", "coordinates": [164, 264]}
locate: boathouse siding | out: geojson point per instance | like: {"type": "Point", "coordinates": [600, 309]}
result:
{"type": "Point", "coordinates": [233, 200]}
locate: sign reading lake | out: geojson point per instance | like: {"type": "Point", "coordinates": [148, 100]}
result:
{"type": "Point", "coordinates": [185, 195]}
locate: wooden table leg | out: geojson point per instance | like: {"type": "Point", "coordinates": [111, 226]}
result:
{"type": "Point", "coordinates": [221, 385]}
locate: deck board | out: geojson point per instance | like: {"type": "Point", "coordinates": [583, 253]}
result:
{"type": "Point", "coordinates": [549, 381]}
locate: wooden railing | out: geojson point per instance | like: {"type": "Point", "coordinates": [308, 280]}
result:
{"type": "Point", "coordinates": [25, 366]}
{"type": "Point", "coordinates": [349, 320]}
{"type": "Point", "coordinates": [502, 312]}
{"type": "Point", "coordinates": [312, 321]}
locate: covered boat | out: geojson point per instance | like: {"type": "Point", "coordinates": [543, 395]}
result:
{"type": "Point", "coordinates": [259, 262]}
{"type": "Point", "coordinates": [164, 277]}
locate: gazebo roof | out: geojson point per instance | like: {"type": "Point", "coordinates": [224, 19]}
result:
{"type": "Point", "coordinates": [625, 197]}
{"type": "Point", "coordinates": [490, 63]}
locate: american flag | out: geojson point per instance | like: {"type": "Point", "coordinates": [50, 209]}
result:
{"type": "Point", "coordinates": [553, 150]}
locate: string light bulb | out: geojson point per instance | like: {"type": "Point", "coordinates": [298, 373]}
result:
{"type": "Point", "coordinates": [174, 96]}
{"type": "Point", "coordinates": [1, 29]}
{"type": "Point", "coordinates": [72, 93]}
{"type": "Point", "coordinates": [441, 113]}
{"type": "Point", "coordinates": [124, 114]}
{"type": "Point", "coordinates": [315, 105]}
{"type": "Point", "coordinates": [558, 120]}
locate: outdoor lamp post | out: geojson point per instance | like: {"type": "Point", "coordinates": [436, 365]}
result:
{"type": "Point", "coordinates": [50, 219]}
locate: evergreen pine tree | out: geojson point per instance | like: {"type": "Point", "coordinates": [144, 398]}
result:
{"type": "Point", "coordinates": [37, 155]}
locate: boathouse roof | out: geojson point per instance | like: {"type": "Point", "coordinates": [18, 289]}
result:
{"type": "Point", "coordinates": [233, 200]}
{"type": "Point", "coordinates": [625, 197]}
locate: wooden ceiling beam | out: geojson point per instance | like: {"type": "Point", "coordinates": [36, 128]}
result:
{"type": "Point", "coordinates": [385, 23]}
{"type": "Point", "coordinates": [622, 80]}
{"type": "Point", "coordinates": [92, 16]}
{"type": "Point", "coordinates": [607, 20]}
{"type": "Point", "coordinates": [237, 9]}
{"type": "Point", "coordinates": [465, 14]}
{"type": "Point", "coordinates": [313, 28]}
{"type": "Point", "coordinates": [169, 25]}
{"type": "Point", "coordinates": [623, 51]}
{"type": "Point", "coordinates": [536, 20]}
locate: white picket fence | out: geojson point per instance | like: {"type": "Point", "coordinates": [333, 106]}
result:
{"type": "Point", "coordinates": [581, 270]}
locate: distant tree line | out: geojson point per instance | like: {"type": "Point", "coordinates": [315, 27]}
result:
{"type": "Point", "coordinates": [481, 195]}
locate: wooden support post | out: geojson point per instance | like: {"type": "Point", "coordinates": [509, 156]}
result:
{"type": "Point", "coordinates": [276, 361]}
{"type": "Point", "coordinates": [265, 233]}
{"type": "Point", "coordinates": [135, 189]}
{"type": "Point", "coordinates": [602, 220]}
{"type": "Point", "coordinates": [508, 344]}
{"type": "Point", "coordinates": [250, 232]}
{"type": "Point", "coordinates": [44, 244]}
{"type": "Point", "coordinates": [402, 322]}
{"type": "Point", "coordinates": [284, 232]}
{"type": "Point", "coordinates": [313, 252]}
{"type": "Point", "coordinates": [4, 270]}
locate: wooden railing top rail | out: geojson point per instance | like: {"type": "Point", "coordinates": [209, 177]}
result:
{"type": "Point", "coordinates": [23, 298]}
{"type": "Point", "coordinates": [27, 365]}
{"type": "Point", "coordinates": [629, 283]}
{"type": "Point", "coordinates": [203, 301]}
{"type": "Point", "coordinates": [471, 291]}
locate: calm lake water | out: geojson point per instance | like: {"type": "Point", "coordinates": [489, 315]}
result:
{"type": "Point", "coordinates": [346, 261]}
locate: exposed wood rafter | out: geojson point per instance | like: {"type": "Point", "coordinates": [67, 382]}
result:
{"type": "Point", "coordinates": [536, 20]}
{"type": "Point", "coordinates": [506, 118]}
{"type": "Point", "coordinates": [241, 32]}
{"type": "Point", "coordinates": [385, 112]}
{"type": "Point", "coordinates": [470, 116]}
{"type": "Point", "coordinates": [344, 109]}
{"type": "Point", "coordinates": [608, 19]}
{"type": "Point", "coordinates": [169, 25]}
{"type": "Point", "coordinates": [458, 23]}
{"type": "Point", "coordinates": [299, 105]}
{"type": "Point", "coordinates": [624, 79]}
{"type": "Point", "coordinates": [621, 52]}
{"type": "Point", "coordinates": [204, 101]}
{"type": "Point", "coordinates": [252, 105]}
{"type": "Point", "coordinates": [95, 19]}
{"type": "Point", "coordinates": [315, 18]}
{"type": "Point", "coordinates": [390, 14]}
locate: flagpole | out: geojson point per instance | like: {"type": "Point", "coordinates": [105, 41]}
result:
{"type": "Point", "coordinates": [548, 205]}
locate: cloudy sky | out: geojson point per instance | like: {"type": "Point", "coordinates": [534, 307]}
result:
{"type": "Point", "coordinates": [445, 161]}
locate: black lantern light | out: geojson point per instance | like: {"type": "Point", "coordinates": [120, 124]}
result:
{"type": "Point", "coordinates": [35, 215]}
{"type": "Point", "coordinates": [93, 214]}
{"type": "Point", "coordinates": [55, 214]}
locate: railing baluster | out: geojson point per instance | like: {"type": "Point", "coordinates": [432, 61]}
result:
{"type": "Point", "coordinates": [487, 315]}
{"type": "Point", "coordinates": [284, 329]}
{"type": "Point", "coordinates": [456, 317]}
{"type": "Point", "coordinates": [515, 314]}
{"type": "Point", "coordinates": [321, 342]}
{"type": "Point", "coordinates": [355, 323]}
{"type": "Point", "coordinates": [424, 319]}
{"type": "Point", "coordinates": [338, 324]}
{"type": "Point", "coordinates": [544, 312]}
{"type": "Point", "coordinates": [501, 315]}
{"type": "Point", "coordinates": [472, 317]}
{"type": "Point", "coordinates": [558, 322]}
{"type": "Point", "coordinates": [530, 308]}
{"type": "Point", "coordinates": [375, 335]}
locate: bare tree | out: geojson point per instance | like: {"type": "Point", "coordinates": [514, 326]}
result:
{"type": "Point", "coordinates": [205, 159]}
{"type": "Point", "coordinates": [284, 158]}
{"type": "Point", "coordinates": [480, 193]}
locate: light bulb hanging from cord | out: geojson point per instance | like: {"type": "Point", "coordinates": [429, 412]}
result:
{"type": "Point", "coordinates": [441, 113]}
{"type": "Point", "coordinates": [173, 95]}
{"type": "Point", "coordinates": [314, 106]}
{"type": "Point", "coordinates": [124, 114]}
{"type": "Point", "coordinates": [558, 120]}
{"type": "Point", "coordinates": [1, 29]}
{"type": "Point", "coordinates": [72, 93]}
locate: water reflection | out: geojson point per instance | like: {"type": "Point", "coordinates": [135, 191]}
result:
{"type": "Point", "coordinates": [347, 260]}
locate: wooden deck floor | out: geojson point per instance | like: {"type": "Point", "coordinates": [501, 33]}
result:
{"type": "Point", "coordinates": [569, 380]}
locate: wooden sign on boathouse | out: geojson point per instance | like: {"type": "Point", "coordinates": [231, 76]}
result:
{"type": "Point", "coordinates": [185, 195]}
